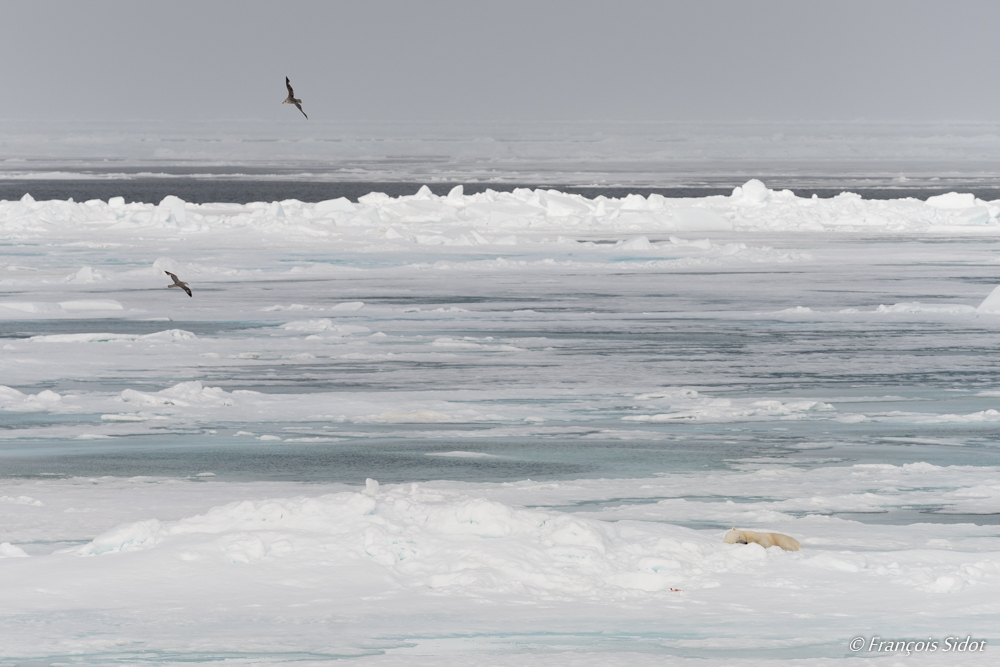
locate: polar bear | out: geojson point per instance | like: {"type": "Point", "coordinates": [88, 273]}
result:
{"type": "Point", "coordinates": [763, 539]}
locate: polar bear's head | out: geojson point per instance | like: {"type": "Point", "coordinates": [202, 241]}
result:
{"type": "Point", "coordinates": [734, 536]}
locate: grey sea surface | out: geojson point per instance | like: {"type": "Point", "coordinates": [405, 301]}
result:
{"type": "Point", "coordinates": [806, 156]}
{"type": "Point", "coordinates": [858, 366]}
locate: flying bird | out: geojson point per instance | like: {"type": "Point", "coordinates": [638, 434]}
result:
{"type": "Point", "coordinates": [291, 98]}
{"type": "Point", "coordinates": [179, 283]}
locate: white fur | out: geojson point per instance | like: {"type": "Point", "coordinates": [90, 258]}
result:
{"type": "Point", "coordinates": [763, 539]}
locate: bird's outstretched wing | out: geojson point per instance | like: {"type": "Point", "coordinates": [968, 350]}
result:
{"type": "Point", "coordinates": [179, 283]}
{"type": "Point", "coordinates": [288, 85]}
{"type": "Point", "coordinates": [299, 107]}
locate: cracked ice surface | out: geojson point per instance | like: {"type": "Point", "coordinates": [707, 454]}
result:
{"type": "Point", "coordinates": [565, 402]}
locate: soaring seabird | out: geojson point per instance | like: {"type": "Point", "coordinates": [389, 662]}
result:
{"type": "Point", "coordinates": [291, 98]}
{"type": "Point", "coordinates": [179, 283]}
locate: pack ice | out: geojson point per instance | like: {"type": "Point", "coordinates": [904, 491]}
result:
{"type": "Point", "coordinates": [566, 402]}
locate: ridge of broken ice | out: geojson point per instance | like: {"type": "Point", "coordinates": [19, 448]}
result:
{"type": "Point", "coordinates": [492, 217]}
{"type": "Point", "coordinates": [466, 545]}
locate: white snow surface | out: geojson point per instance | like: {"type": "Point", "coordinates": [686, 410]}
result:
{"type": "Point", "coordinates": [445, 568]}
{"type": "Point", "coordinates": [505, 428]}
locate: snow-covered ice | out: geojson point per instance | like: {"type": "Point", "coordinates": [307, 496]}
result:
{"type": "Point", "coordinates": [502, 428]}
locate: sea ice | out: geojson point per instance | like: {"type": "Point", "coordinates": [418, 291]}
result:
{"type": "Point", "coordinates": [567, 402]}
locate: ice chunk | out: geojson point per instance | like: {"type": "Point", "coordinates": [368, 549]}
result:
{"type": "Point", "coordinates": [82, 338]}
{"type": "Point", "coordinates": [126, 417]}
{"type": "Point", "coordinates": [373, 198]}
{"type": "Point", "coordinates": [276, 210]}
{"type": "Point", "coordinates": [917, 307]}
{"type": "Point", "coordinates": [325, 324]}
{"type": "Point", "coordinates": [558, 204]}
{"type": "Point", "coordinates": [84, 276]}
{"type": "Point", "coordinates": [185, 394]}
{"type": "Point", "coordinates": [8, 550]}
{"type": "Point", "coordinates": [700, 220]}
{"type": "Point", "coordinates": [634, 202]}
{"type": "Point", "coordinates": [128, 537]}
{"type": "Point", "coordinates": [463, 455]}
{"type": "Point", "coordinates": [24, 306]}
{"type": "Point", "coordinates": [174, 208]}
{"type": "Point", "coordinates": [166, 264]}
{"type": "Point", "coordinates": [349, 306]}
{"type": "Point", "coordinates": [952, 200]}
{"type": "Point", "coordinates": [975, 215]}
{"type": "Point", "coordinates": [168, 335]}
{"type": "Point", "coordinates": [338, 205]}
{"type": "Point", "coordinates": [753, 191]}
{"type": "Point", "coordinates": [991, 304]}
{"type": "Point", "coordinates": [91, 304]}
{"type": "Point", "coordinates": [44, 401]}
{"type": "Point", "coordinates": [638, 243]}
{"type": "Point", "coordinates": [20, 500]}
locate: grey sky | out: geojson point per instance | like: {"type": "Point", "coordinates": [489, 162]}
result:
{"type": "Point", "coordinates": [500, 60]}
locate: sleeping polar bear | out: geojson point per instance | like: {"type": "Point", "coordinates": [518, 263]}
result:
{"type": "Point", "coordinates": [763, 539]}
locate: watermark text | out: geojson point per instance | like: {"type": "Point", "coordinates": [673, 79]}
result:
{"type": "Point", "coordinates": [877, 644]}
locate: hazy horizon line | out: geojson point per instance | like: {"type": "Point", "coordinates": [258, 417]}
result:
{"type": "Point", "coordinates": [507, 121]}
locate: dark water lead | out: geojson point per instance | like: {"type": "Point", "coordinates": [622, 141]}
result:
{"type": "Point", "coordinates": [242, 191]}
